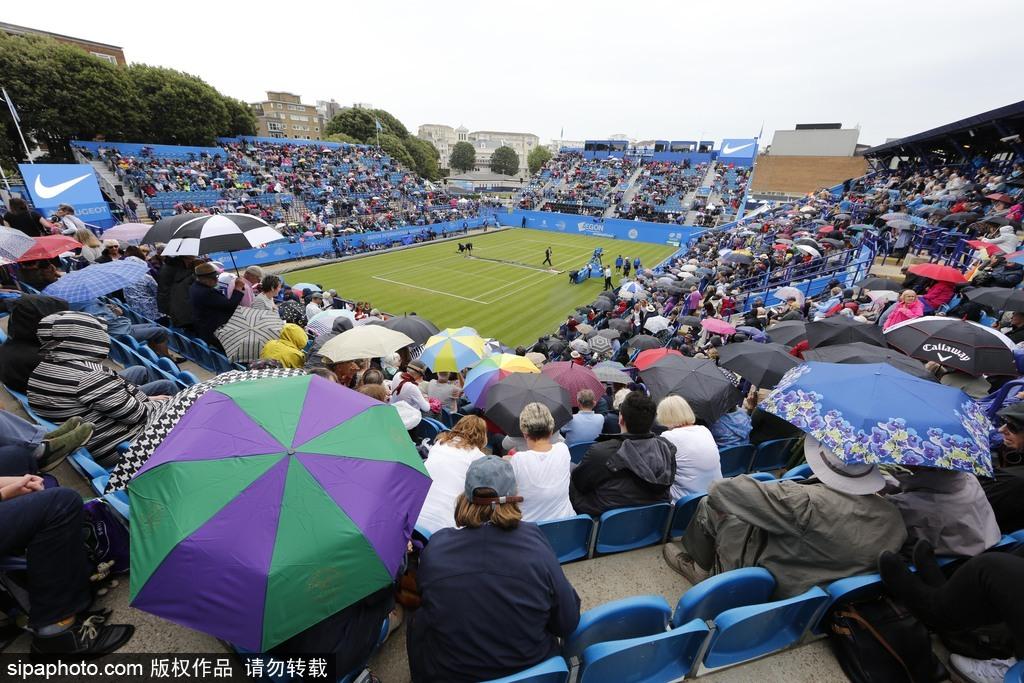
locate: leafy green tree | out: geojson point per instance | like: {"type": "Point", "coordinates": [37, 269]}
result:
{"type": "Point", "coordinates": [241, 119]}
{"type": "Point", "coordinates": [504, 160]}
{"type": "Point", "coordinates": [356, 123]}
{"type": "Point", "coordinates": [463, 157]}
{"type": "Point", "coordinates": [392, 144]}
{"type": "Point", "coordinates": [180, 109]}
{"type": "Point", "coordinates": [537, 157]}
{"type": "Point", "coordinates": [341, 137]}
{"type": "Point", "coordinates": [425, 156]}
{"type": "Point", "coordinates": [390, 124]}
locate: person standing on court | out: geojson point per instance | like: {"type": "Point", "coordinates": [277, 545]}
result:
{"type": "Point", "coordinates": [636, 264]}
{"type": "Point", "coordinates": [618, 262]}
{"type": "Point", "coordinates": [547, 257]}
{"type": "Point", "coordinates": [608, 278]}
{"type": "Point", "coordinates": [625, 267]}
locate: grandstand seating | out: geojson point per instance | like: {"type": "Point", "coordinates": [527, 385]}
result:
{"type": "Point", "coordinates": [656, 658]}
{"type": "Point", "coordinates": [772, 455]}
{"type": "Point", "coordinates": [552, 670]}
{"type": "Point", "coordinates": [578, 450]}
{"type": "Point", "coordinates": [632, 527]}
{"type": "Point", "coordinates": [736, 459]}
{"type": "Point", "coordinates": [571, 538]}
{"type": "Point", "coordinates": [642, 615]}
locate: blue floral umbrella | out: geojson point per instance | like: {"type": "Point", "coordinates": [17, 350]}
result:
{"type": "Point", "coordinates": [876, 414]}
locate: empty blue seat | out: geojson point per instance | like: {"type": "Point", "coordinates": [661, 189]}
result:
{"type": "Point", "coordinates": [578, 450]}
{"type": "Point", "coordinates": [772, 455]}
{"type": "Point", "coordinates": [83, 462]}
{"type": "Point", "coordinates": [187, 378]}
{"type": "Point", "coordinates": [569, 537]}
{"type": "Point", "coordinates": [763, 476]}
{"type": "Point", "coordinates": [658, 658]}
{"type": "Point", "coordinates": [642, 615]}
{"type": "Point", "coordinates": [745, 633]}
{"type": "Point", "coordinates": [799, 472]}
{"type": "Point", "coordinates": [552, 670]}
{"type": "Point", "coordinates": [736, 460]}
{"type": "Point", "coordinates": [722, 592]}
{"type": "Point", "coordinates": [682, 512]}
{"type": "Point", "coordinates": [632, 527]}
{"type": "Point", "coordinates": [167, 365]}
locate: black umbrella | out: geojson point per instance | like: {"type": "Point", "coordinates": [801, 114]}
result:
{"type": "Point", "coordinates": [807, 242]}
{"type": "Point", "coordinates": [507, 398]}
{"type": "Point", "coordinates": [788, 332]}
{"type": "Point", "coordinates": [602, 304]}
{"type": "Point", "coordinates": [556, 346]}
{"type": "Point", "coordinates": [763, 365]}
{"type": "Point", "coordinates": [999, 298]}
{"type": "Point", "coordinates": [860, 353]}
{"type": "Point", "coordinates": [957, 344]}
{"type": "Point", "coordinates": [416, 328]}
{"type": "Point", "coordinates": [642, 342]}
{"type": "Point", "coordinates": [704, 386]}
{"type": "Point", "coordinates": [842, 330]}
{"type": "Point", "coordinates": [962, 217]}
{"type": "Point", "coordinates": [880, 283]}
{"type": "Point", "coordinates": [746, 259]}
{"type": "Point", "coordinates": [688, 320]}
{"type": "Point", "coordinates": [608, 294]}
{"type": "Point", "coordinates": [675, 288]}
{"type": "Point", "coordinates": [164, 228]}
{"type": "Point", "coordinates": [607, 333]}
{"type": "Point", "coordinates": [620, 324]}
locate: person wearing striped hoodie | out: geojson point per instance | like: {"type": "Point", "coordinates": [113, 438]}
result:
{"type": "Point", "coordinates": [72, 381]}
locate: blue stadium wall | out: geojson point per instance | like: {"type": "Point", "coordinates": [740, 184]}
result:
{"type": "Point", "coordinates": [158, 151]}
{"type": "Point", "coordinates": [613, 228]}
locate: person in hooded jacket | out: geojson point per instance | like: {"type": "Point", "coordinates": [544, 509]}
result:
{"type": "Point", "coordinates": [72, 381]}
{"type": "Point", "coordinates": [289, 348]}
{"type": "Point", "coordinates": [173, 283]}
{"type": "Point", "coordinates": [1005, 240]}
{"type": "Point", "coordinates": [632, 468]}
{"type": "Point", "coordinates": [19, 355]}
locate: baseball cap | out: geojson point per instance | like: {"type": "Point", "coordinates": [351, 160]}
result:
{"type": "Point", "coordinates": [491, 481]}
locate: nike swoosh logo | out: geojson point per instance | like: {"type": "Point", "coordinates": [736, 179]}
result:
{"type": "Point", "coordinates": [943, 358]}
{"type": "Point", "coordinates": [727, 150]}
{"type": "Point", "coordinates": [51, 191]}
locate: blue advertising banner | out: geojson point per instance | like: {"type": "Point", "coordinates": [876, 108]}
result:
{"type": "Point", "coordinates": [50, 185]}
{"type": "Point", "coordinates": [612, 228]}
{"type": "Point", "coordinates": [738, 152]}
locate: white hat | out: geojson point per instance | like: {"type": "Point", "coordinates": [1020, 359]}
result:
{"type": "Point", "coordinates": [834, 473]}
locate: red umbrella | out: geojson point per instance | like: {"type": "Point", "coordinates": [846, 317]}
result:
{"type": "Point", "coordinates": [48, 247]}
{"type": "Point", "coordinates": [939, 272]}
{"type": "Point", "coordinates": [987, 246]}
{"type": "Point", "coordinates": [717, 326]}
{"type": "Point", "coordinates": [646, 359]}
{"type": "Point", "coordinates": [1001, 197]}
{"type": "Point", "coordinates": [826, 228]}
{"type": "Point", "coordinates": [573, 378]}
{"type": "Point", "coordinates": [780, 247]}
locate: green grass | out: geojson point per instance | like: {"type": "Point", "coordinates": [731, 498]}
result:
{"type": "Point", "coordinates": [513, 303]}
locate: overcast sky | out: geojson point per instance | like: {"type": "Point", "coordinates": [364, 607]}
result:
{"type": "Point", "coordinates": [666, 70]}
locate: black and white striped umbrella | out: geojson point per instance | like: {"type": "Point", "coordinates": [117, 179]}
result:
{"type": "Point", "coordinates": [220, 232]}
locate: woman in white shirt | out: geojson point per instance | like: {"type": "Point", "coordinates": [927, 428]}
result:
{"type": "Point", "coordinates": [270, 285]}
{"type": "Point", "coordinates": [542, 471]}
{"type": "Point", "coordinates": [697, 461]}
{"type": "Point", "coordinates": [447, 462]}
{"type": "Point", "coordinates": [405, 386]}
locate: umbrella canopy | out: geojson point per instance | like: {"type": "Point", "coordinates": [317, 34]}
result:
{"type": "Point", "coordinates": [127, 232]}
{"type": "Point", "coordinates": [957, 344]}
{"type": "Point", "coordinates": [507, 398]}
{"type": "Point", "coordinates": [900, 225]}
{"type": "Point", "coordinates": [602, 304]}
{"type": "Point", "coordinates": [47, 247]}
{"type": "Point", "coordinates": [706, 388]}
{"type": "Point", "coordinates": [609, 374]}
{"type": "Point", "coordinates": [281, 513]}
{"type": "Point", "coordinates": [999, 298]}
{"type": "Point", "coordinates": [895, 216]}
{"type": "Point", "coordinates": [688, 320]}
{"type": "Point", "coordinates": [631, 290]}
{"type": "Point", "coordinates": [884, 283]}
{"type": "Point", "coordinates": [580, 345]}
{"type": "Point", "coordinates": [656, 324]}
{"type": "Point", "coordinates": [619, 324]}
{"type": "Point", "coordinates": [859, 353]}
{"type": "Point", "coordinates": [646, 359]}
{"type": "Point", "coordinates": [584, 328]}
{"type": "Point", "coordinates": [98, 279]}
{"type": "Point", "coordinates": [366, 341]}
{"type": "Point", "coordinates": [754, 333]}
{"type": "Point", "coordinates": [643, 342]}
{"type": "Point", "coordinates": [556, 346]}
{"type": "Point", "coordinates": [850, 408]}
{"type": "Point", "coordinates": [763, 365]}
{"type": "Point", "coordinates": [938, 271]}
{"type": "Point", "coordinates": [574, 378]}
{"type": "Point", "coordinates": [490, 371]}
{"type": "Point", "coordinates": [987, 247]}
{"type": "Point", "coordinates": [452, 349]}
{"type": "Point", "coordinates": [220, 232]}
{"type": "Point", "coordinates": [842, 330]}
{"type": "Point", "coordinates": [323, 322]}
{"type": "Point", "coordinates": [786, 293]}
{"type": "Point", "coordinates": [416, 328]}
{"type": "Point", "coordinates": [299, 288]}
{"type": "Point", "coordinates": [608, 333]}
{"type": "Point", "coordinates": [601, 345]}
{"type": "Point", "coordinates": [246, 331]}
{"type": "Point", "coordinates": [808, 250]}
{"type": "Point", "coordinates": [737, 257]}
{"type": "Point", "coordinates": [13, 243]}
{"type": "Point", "coordinates": [164, 229]}
{"type": "Point", "coordinates": [717, 326]}
{"type": "Point", "coordinates": [963, 217]}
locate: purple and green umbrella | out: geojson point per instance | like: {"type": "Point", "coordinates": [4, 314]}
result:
{"type": "Point", "coordinates": [270, 506]}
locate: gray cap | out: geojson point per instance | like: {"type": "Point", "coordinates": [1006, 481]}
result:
{"type": "Point", "coordinates": [491, 472]}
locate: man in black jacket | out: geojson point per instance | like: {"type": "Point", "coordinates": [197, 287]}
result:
{"type": "Point", "coordinates": [19, 355]}
{"type": "Point", "coordinates": [210, 308]}
{"type": "Point", "coordinates": [621, 470]}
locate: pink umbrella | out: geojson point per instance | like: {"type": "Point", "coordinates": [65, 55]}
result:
{"type": "Point", "coordinates": [127, 232]}
{"type": "Point", "coordinates": [573, 378]}
{"type": "Point", "coordinates": [717, 326]}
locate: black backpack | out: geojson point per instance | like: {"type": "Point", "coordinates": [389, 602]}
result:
{"type": "Point", "coordinates": [878, 640]}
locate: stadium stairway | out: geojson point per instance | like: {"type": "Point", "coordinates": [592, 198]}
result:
{"type": "Point", "coordinates": [627, 196]}
{"type": "Point", "coordinates": [108, 179]}
{"type": "Point", "coordinates": [708, 181]}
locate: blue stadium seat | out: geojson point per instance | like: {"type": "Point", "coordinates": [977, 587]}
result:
{"type": "Point", "coordinates": [642, 615]}
{"type": "Point", "coordinates": [187, 378]}
{"type": "Point", "coordinates": [552, 670]}
{"type": "Point", "coordinates": [1015, 674]}
{"type": "Point", "coordinates": [682, 512]}
{"type": "Point", "coordinates": [842, 591]}
{"type": "Point", "coordinates": [570, 537]}
{"type": "Point", "coordinates": [745, 633]}
{"type": "Point", "coordinates": [631, 528]}
{"type": "Point", "coordinates": [662, 657]}
{"type": "Point", "coordinates": [772, 455]}
{"type": "Point", "coordinates": [799, 472]}
{"type": "Point", "coordinates": [82, 461]}
{"type": "Point", "coordinates": [429, 428]}
{"type": "Point", "coordinates": [423, 534]}
{"type": "Point", "coordinates": [578, 450]}
{"type": "Point", "coordinates": [167, 365]}
{"type": "Point", "coordinates": [1019, 535]}
{"type": "Point", "coordinates": [722, 592]}
{"type": "Point", "coordinates": [118, 500]}
{"type": "Point", "coordinates": [736, 459]}
{"type": "Point", "coordinates": [763, 476]}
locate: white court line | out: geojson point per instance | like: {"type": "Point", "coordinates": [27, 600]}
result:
{"type": "Point", "coordinates": [428, 289]}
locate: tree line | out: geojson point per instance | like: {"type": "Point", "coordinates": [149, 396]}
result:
{"type": "Point", "coordinates": [359, 126]}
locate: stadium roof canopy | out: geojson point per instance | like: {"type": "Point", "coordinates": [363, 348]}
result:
{"type": "Point", "coordinates": [985, 134]}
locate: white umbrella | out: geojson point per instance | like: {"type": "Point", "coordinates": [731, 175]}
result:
{"type": "Point", "coordinates": [808, 250]}
{"type": "Point", "coordinates": [630, 290]}
{"type": "Point", "coordinates": [369, 341]}
{"type": "Point", "coordinates": [323, 322]}
{"type": "Point", "coordinates": [656, 324]}
{"type": "Point", "coordinates": [882, 295]}
{"type": "Point", "coordinates": [13, 243]}
{"type": "Point", "coordinates": [784, 293]}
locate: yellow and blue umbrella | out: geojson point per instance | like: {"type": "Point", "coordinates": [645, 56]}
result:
{"type": "Point", "coordinates": [492, 369]}
{"type": "Point", "coordinates": [452, 349]}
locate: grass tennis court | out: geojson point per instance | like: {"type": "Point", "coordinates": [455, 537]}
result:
{"type": "Point", "coordinates": [502, 291]}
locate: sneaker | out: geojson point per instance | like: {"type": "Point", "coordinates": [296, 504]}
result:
{"type": "Point", "coordinates": [68, 425]}
{"type": "Point", "coordinates": [88, 638]}
{"type": "Point", "coordinates": [681, 563]}
{"type": "Point", "coordinates": [58, 448]}
{"type": "Point", "coordinates": [979, 670]}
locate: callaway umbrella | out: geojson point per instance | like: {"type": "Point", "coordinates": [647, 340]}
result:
{"type": "Point", "coordinates": [608, 373]}
{"type": "Point", "coordinates": [164, 229]}
{"type": "Point", "coordinates": [958, 344]}
{"type": "Point", "coordinates": [852, 410]}
{"type": "Point", "coordinates": [323, 322]}
{"type": "Point", "coordinates": [47, 247]}
{"type": "Point", "coordinates": [788, 332]}
{"type": "Point", "coordinates": [704, 386]}
{"type": "Point", "coordinates": [507, 398]}
{"type": "Point", "coordinates": [999, 298]}
{"type": "Point", "coordinates": [127, 232]}
{"type": "Point", "coordinates": [366, 341]}
{"type": "Point", "coordinates": [643, 342]}
{"type": "Point", "coordinates": [279, 511]}
{"type": "Point", "coordinates": [452, 349]}
{"type": "Point", "coordinates": [885, 283]}
{"type": "Point", "coordinates": [842, 330]}
{"type": "Point", "coordinates": [97, 280]}
{"type": "Point", "coordinates": [246, 331]}
{"type": "Point", "coordinates": [13, 243]}
{"type": "Point", "coordinates": [859, 353]}
{"type": "Point", "coordinates": [490, 371]}
{"type": "Point", "coordinates": [939, 272]}
{"type": "Point", "coordinates": [416, 328]}
{"type": "Point", "coordinates": [220, 232]}
{"type": "Point", "coordinates": [646, 359]}
{"type": "Point", "coordinates": [574, 378]}
{"type": "Point", "coordinates": [763, 365]}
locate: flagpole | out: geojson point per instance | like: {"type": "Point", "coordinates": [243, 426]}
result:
{"type": "Point", "coordinates": [3, 175]}
{"type": "Point", "coordinates": [17, 124]}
